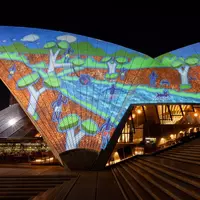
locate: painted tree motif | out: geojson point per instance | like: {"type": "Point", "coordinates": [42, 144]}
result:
{"type": "Point", "coordinates": [77, 62]}
{"type": "Point", "coordinates": [68, 125]}
{"type": "Point", "coordinates": [89, 127]}
{"type": "Point", "coordinates": [53, 57]}
{"type": "Point", "coordinates": [112, 63]}
{"type": "Point", "coordinates": [28, 82]}
{"type": "Point", "coordinates": [183, 66]}
{"type": "Point", "coordinates": [72, 122]}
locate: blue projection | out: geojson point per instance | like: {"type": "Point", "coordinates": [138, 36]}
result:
{"type": "Point", "coordinates": [76, 89]}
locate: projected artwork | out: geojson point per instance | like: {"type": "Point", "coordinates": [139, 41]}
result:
{"type": "Point", "coordinates": [76, 89]}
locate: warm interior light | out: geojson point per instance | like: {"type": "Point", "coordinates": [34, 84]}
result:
{"type": "Point", "coordinates": [116, 157]}
{"type": "Point", "coordinates": [38, 135]}
{"type": "Point", "coordinates": [38, 160]}
{"type": "Point", "coordinates": [139, 111]}
{"type": "Point", "coordinates": [133, 115]}
{"type": "Point", "coordinates": [49, 159]}
{"type": "Point", "coordinates": [11, 122]}
{"type": "Point", "coordinates": [195, 114]}
{"type": "Point", "coordinates": [173, 136]}
{"type": "Point", "coordinates": [162, 141]}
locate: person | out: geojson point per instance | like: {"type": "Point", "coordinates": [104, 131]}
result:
{"type": "Point", "coordinates": [57, 106]}
{"type": "Point", "coordinates": [105, 129]}
{"type": "Point", "coordinates": [153, 77]}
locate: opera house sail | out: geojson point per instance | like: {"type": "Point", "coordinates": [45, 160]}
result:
{"type": "Point", "coordinates": [76, 89]}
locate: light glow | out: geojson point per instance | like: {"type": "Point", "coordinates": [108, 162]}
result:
{"type": "Point", "coordinates": [12, 122]}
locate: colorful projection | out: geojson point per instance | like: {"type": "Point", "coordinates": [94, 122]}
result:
{"type": "Point", "coordinates": [76, 89]}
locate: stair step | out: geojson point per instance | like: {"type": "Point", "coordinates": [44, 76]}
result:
{"type": "Point", "coordinates": [59, 192]}
{"type": "Point", "coordinates": [185, 190]}
{"type": "Point", "coordinates": [185, 151]}
{"type": "Point", "coordinates": [152, 188]}
{"type": "Point", "coordinates": [194, 145]}
{"type": "Point", "coordinates": [119, 183]}
{"type": "Point", "coordinates": [32, 182]}
{"type": "Point", "coordinates": [162, 185]}
{"type": "Point", "coordinates": [27, 185]}
{"type": "Point", "coordinates": [178, 159]}
{"type": "Point", "coordinates": [180, 156]}
{"type": "Point", "coordinates": [188, 167]}
{"type": "Point", "coordinates": [186, 154]}
{"type": "Point", "coordinates": [177, 175]}
{"type": "Point", "coordinates": [187, 147]}
{"type": "Point", "coordinates": [127, 190]}
{"type": "Point", "coordinates": [137, 188]}
{"type": "Point", "coordinates": [23, 189]}
{"type": "Point", "coordinates": [19, 193]}
{"type": "Point", "coordinates": [15, 197]}
{"type": "Point", "coordinates": [175, 169]}
{"type": "Point", "coordinates": [50, 193]}
{"type": "Point", "coordinates": [34, 177]}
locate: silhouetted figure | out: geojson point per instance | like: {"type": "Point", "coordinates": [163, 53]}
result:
{"type": "Point", "coordinates": [153, 76]}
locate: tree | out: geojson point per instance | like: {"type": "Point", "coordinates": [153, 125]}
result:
{"type": "Point", "coordinates": [63, 45]}
{"type": "Point", "coordinates": [52, 57]}
{"type": "Point", "coordinates": [52, 82]}
{"type": "Point", "coordinates": [183, 65]}
{"type": "Point", "coordinates": [112, 63]}
{"type": "Point", "coordinates": [50, 45]}
{"type": "Point", "coordinates": [28, 82]}
{"type": "Point", "coordinates": [77, 62]}
{"type": "Point", "coordinates": [68, 124]}
{"type": "Point", "coordinates": [89, 126]}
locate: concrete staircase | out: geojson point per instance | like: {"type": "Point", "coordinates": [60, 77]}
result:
{"type": "Point", "coordinates": [172, 174]}
{"type": "Point", "coordinates": [27, 187]}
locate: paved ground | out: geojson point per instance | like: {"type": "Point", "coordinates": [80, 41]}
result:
{"type": "Point", "coordinates": [26, 170]}
{"type": "Point", "coordinates": [54, 182]}
{"type": "Point", "coordinates": [171, 174]}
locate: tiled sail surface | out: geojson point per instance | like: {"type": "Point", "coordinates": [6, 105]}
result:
{"type": "Point", "coordinates": [76, 89]}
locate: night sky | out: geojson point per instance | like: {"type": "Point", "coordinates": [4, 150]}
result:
{"type": "Point", "coordinates": [152, 35]}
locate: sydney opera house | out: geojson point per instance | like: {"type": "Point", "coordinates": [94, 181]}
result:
{"type": "Point", "coordinates": [117, 123]}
